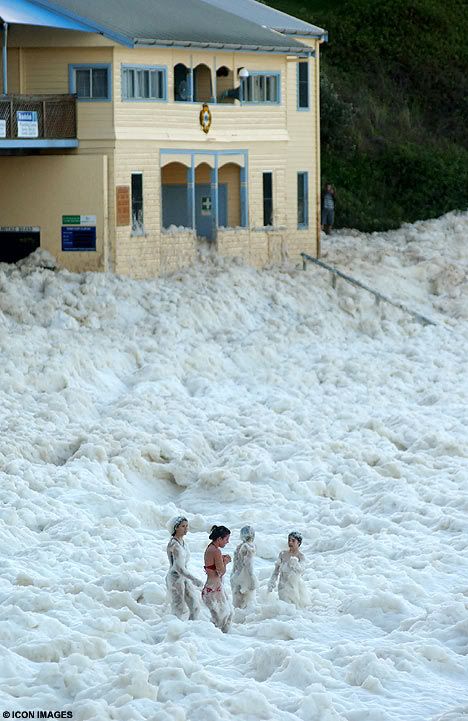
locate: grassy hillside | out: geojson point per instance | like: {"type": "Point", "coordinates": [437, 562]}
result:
{"type": "Point", "coordinates": [394, 106]}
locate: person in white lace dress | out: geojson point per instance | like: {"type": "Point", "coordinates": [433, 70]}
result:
{"type": "Point", "coordinates": [181, 584]}
{"type": "Point", "coordinates": [243, 581]}
{"type": "Point", "coordinates": [288, 572]}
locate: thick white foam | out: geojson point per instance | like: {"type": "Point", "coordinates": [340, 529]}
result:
{"type": "Point", "coordinates": [238, 396]}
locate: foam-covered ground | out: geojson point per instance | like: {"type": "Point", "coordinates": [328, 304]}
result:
{"type": "Point", "coordinates": [238, 396]}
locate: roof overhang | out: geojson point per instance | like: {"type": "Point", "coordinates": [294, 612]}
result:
{"type": "Point", "coordinates": [283, 50]}
{"type": "Point", "coordinates": [22, 12]}
{"type": "Point", "coordinates": [67, 19]}
{"type": "Point", "coordinates": [322, 36]}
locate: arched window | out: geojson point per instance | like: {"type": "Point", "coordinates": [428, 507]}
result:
{"type": "Point", "coordinates": [225, 89]}
{"type": "Point", "coordinates": [182, 83]}
{"type": "Point", "coordinates": [202, 86]}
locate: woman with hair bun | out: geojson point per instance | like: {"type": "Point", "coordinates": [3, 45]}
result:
{"type": "Point", "coordinates": [213, 594]}
{"type": "Point", "coordinates": [290, 567]}
{"type": "Point", "coordinates": [243, 581]}
{"type": "Point", "coordinates": [180, 583]}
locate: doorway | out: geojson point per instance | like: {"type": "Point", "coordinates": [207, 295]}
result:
{"type": "Point", "coordinates": [18, 243]}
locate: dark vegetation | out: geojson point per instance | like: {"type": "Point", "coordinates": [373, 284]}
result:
{"type": "Point", "coordinates": [394, 113]}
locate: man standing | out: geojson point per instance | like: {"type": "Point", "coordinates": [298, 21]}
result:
{"type": "Point", "coordinates": [328, 208]}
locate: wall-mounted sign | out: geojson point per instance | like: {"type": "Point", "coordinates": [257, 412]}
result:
{"type": "Point", "coordinates": [78, 220]}
{"type": "Point", "coordinates": [20, 229]}
{"type": "Point", "coordinates": [206, 205]}
{"type": "Point", "coordinates": [2, 128]}
{"type": "Point", "coordinates": [205, 118]}
{"type": "Point", "coordinates": [78, 233]}
{"type": "Point", "coordinates": [28, 126]}
{"type": "Point", "coordinates": [122, 196]}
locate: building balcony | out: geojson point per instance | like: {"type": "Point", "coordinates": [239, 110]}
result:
{"type": "Point", "coordinates": [37, 121]}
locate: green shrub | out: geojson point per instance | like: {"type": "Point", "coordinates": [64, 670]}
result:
{"type": "Point", "coordinates": [394, 113]}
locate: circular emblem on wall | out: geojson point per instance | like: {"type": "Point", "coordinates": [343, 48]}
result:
{"type": "Point", "coordinates": [205, 118]}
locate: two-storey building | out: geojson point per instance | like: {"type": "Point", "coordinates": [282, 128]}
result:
{"type": "Point", "coordinates": [131, 130]}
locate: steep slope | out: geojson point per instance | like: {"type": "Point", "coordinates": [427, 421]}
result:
{"type": "Point", "coordinates": [394, 107]}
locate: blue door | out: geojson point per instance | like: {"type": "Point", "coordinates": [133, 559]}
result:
{"type": "Point", "coordinates": [204, 211]}
{"type": "Point", "coordinates": [175, 208]}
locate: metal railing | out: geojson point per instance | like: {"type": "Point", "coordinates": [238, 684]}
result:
{"type": "Point", "coordinates": [56, 115]}
{"type": "Point", "coordinates": [378, 296]}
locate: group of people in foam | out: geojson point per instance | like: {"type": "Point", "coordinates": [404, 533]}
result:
{"type": "Point", "coordinates": [182, 585]}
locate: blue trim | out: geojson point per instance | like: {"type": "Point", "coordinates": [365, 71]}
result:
{"type": "Point", "coordinates": [299, 108]}
{"type": "Point", "coordinates": [90, 66]}
{"type": "Point", "coordinates": [94, 27]}
{"type": "Point", "coordinates": [191, 83]}
{"type": "Point", "coordinates": [306, 53]}
{"type": "Point", "coordinates": [264, 73]}
{"type": "Point", "coordinates": [214, 197]}
{"type": "Point", "coordinates": [191, 151]}
{"type": "Point", "coordinates": [39, 143]}
{"type": "Point", "coordinates": [305, 224]}
{"type": "Point", "coordinates": [161, 68]}
{"type": "Point", "coordinates": [190, 193]}
{"type": "Point", "coordinates": [244, 194]}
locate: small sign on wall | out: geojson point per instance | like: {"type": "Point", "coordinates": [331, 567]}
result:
{"type": "Point", "coordinates": [2, 128]}
{"type": "Point", "coordinates": [28, 126]}
{"type": "Point", "coordinates": [123, 204]}
{"type": "Point", "coordinates": [78, 233]}
{"type": "Point", "coordinates": [206, 205]}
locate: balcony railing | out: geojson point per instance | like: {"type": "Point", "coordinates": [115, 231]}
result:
{"type": "Point", "coordinates": [47, 117]}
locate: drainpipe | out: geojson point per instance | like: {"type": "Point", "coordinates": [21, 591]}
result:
{"type": "Point", "coordinates": [318, 150]}
{"type": "Point", "coordinates": [4, 58]}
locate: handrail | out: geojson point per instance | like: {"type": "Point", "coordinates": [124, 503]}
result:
{"type": "Point", "coordinates": [380, 296]}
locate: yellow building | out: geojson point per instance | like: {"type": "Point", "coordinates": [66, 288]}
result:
{"type": "Point", "coordinates": [131, 131]}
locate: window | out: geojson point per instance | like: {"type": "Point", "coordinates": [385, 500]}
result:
{"type": "Point", "coordinates": [261, 88]}
{"type": "Point", "coordinates": [143, 83]}
{"type": "Point", "coordinates": [303, 85]}
{"type": "Point", "coordinates": [267, 198]}
{"type": "Point", "coordinates": [91, 82]}
{"type": "Point", "coordinates": [303, 200]}
{"type": "Point", "coordinates": [182, 83]}
{"type": "Point", "coordinates": [137, 204]}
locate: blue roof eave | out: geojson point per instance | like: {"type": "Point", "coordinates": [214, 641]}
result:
{"type": "Point", "coordinates": [93, 26]}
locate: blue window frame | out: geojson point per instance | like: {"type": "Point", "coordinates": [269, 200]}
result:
{"type": "Point", "coordinates": [261, 88]}
{"type": "Point", "coordinates": [303, 199]}
{"type": "Point", "coordinates": [144, 82]}
{"type": "Point", "coordinates": [91, 83]}
{"type": "Point", "coordinates": [303, 85]}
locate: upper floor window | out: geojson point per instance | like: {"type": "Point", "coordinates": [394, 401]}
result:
{"type": "Point", "coordinates": [303, 92]}
{"type": "Point", "coordinates": [90, 82]}
{"type": "Point", "coordinates": [143, 82]}
{"type": "Point", "coordinates": [260, 88]}
{"type": "Point", "coordinates": [182, 83]}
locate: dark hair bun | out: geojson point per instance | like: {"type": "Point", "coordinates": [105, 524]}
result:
{"type": "Point", "coordinates": [218, 532]}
